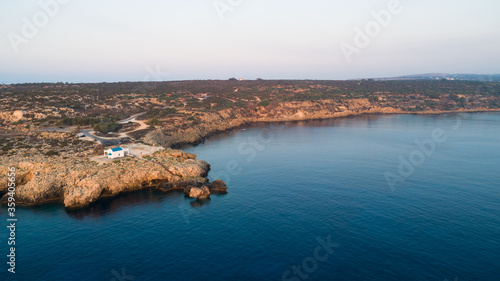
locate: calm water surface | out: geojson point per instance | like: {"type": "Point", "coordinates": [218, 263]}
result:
{"type": "Point", "coordinates": [293, 187]}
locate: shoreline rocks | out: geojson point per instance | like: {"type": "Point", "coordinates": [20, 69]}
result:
{"type": "Point", "coordinates": [79, 183]}
{"type": "Point", "coordinates": [197, 192]}
{"type": "Point", "coordinates": [218, 186]}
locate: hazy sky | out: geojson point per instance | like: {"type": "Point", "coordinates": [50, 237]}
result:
{"type": "Point", "coordinates": [130, 40]}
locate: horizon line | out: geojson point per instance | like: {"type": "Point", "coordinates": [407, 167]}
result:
{"type": "Point", "coordinates": [401, 77]}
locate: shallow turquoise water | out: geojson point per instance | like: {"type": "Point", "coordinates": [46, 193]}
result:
{"type": "Point", "coordinates": [291, 186]}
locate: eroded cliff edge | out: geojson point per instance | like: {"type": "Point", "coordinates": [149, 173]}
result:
{"type": "Point", "coordinates": [78, 182]}
{"type": "Point", "coordinates": [176, 131]}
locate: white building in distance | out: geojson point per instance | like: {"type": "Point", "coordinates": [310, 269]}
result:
{"type": "Point", "coordinates": [116, 152]}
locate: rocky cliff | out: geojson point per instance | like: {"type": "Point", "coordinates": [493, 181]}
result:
{"type": "Point", "coordinates": [79, 182]}
{"type": "Point", "coordinates": [175, 134]}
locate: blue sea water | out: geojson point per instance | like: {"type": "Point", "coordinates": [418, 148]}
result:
{"type": "Point", "coordinates": [306, 201]}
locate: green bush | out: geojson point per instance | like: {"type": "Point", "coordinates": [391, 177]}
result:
{"type": "Point", "coordinates": [264, 103]}
{"type": "Point", "coordinates": [51, 153]}
{"type": "Point", "coordinates": [154, 122]}
{"type": "Point", "coordinates": [107, 127]}
{"type": "Point", "coordinates": [8, 146]}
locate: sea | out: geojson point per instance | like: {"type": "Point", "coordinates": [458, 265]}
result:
{"type": "Point", "coordinates": [372, 197]}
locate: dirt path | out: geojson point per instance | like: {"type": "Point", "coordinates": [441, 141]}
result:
{"type": "Point", "coordinates": [133, 118]}
{"type": "Point", "coordinates": [142, 124]}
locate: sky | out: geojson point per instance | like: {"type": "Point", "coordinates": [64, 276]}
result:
{"type": "Point", "coordinates": [162, 40]}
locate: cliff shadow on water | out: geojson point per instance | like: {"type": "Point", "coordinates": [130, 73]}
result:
{"type": "Point", "coordinates": [113, 205]}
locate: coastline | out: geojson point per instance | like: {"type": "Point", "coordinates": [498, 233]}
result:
{"type": "Point", "coordinates": [377, 111]}
{"type": "Point", "coordinates": [77, 183]}
{"type": "Point", "coordinates": [189, 175]}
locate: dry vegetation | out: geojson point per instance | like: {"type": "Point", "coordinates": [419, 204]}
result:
{"type": "Point", "coordinates": [192, 105]}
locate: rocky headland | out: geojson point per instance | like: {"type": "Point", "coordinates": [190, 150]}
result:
{"type": "Point", "coordinates": [67, 175]}
{"type": "Point", "coordinates": [77, 183]}
{"type": "Point", "coordinates": [57, 167]}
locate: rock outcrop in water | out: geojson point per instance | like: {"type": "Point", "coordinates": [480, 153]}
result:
{"type": "Point", "coordinates": [78, 183]}
{"type": "Point", "coordinates": [218, 186]}
{"type": "Point", "coordinates": [197, 192]}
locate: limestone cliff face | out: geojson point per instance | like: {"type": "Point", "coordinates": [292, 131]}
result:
{"type": "Point", "coordinates": [314, 110]}
{"type": "Point", "coordinates": [224, 120]}
{"type": "Point", "coordinates": [78, 183]}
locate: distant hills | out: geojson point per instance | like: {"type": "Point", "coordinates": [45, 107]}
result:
{"type": "Point", "coordinates": [445, 76]}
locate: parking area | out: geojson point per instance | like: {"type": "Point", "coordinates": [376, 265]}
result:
{"type": "Point", "coordinates": [135, 150]}
{"type": "Point", "coordinates": [140, 149]}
